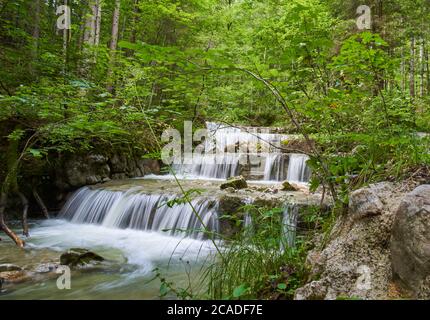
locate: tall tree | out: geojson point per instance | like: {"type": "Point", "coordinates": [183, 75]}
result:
{"type": "Point", "coordinates": [113, 43]}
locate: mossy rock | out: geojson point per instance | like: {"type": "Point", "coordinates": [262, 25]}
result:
{"type": "Point", "coordinates": [286, 186]}
{"type": "Point", "coordinates": [236, 183]}
{"type": "Point", "coordinates": [79, 257]}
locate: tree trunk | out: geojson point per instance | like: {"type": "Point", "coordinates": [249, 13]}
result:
{"type": "Point", "coordinates": [3, 226]}
{"type": "Point", "coordinates": [412, 69]}
{"type": "Point", "coordinates": [114, 42]}
{"type": "Point", "coordinates": [40, 203]}
{"type": "Point", "coordinates": [115, 26]}
{"type": "Point", "coordinates": [427, 70]}
{"type": "Point", "coordinates": [133, 36]}
{"type": "Point", "coordinates": [93, 23]}
{"type": "Point", "coordinates": [24, 202]}
{"type": "Point", "coordinates": [66, 36]}
{"type": "Point", "coordinates": [422, 67]}
{"type": "Point", "coordinates": [35, 35]}
{"type": "Point", "coordinates": [403, 70]}
{"type": "Point", "coordinates": [98, 23]}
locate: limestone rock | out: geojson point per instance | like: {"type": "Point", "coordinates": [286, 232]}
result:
{"type": "Point", "coordinates": [410, 242]}
{"type": "Point", "coordinates": [86, 170]}
{"type": "Point", "coordinates": [366, 201]}
{"type": "Point", "coordinates": [236, 183]}
{"type": "Point", "coordinates": [355, 262]}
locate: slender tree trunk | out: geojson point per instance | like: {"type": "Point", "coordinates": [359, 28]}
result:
{"type": "Point", "coordinates": [66, 35]}
{"type": "Point", "coordinates": [98, 23]}
{"type": "Point", "coordinates": [422, 66]}
{"type": "Point", "coordinates": [40, 203]}
{"type": "Point", "coordinates": [91, 36]}
{"type": "Point", "coordinates": [24, 202]}
{"type": "Point", "coordinates": [93, 23]}
{"type": "Point", "coordinates": [3, 226]}
{"type": "Point", "coordinates": [133, 35]}
{"type": "Point", "coordinates": [412, 69]}
{"type": "Point", "coordinates": [114, 42]}
{"type": "Point", "coordinates": [403, 70]}
{"type": "Point", "coordinates": [115, 26]}
{"type": "Point", "coordinates": [427, 70]}
{"type": "Point", "coordinates": [35, 35]}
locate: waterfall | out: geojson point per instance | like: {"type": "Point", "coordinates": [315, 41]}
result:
{"type": "Point", "coordinates": [229, 150]}
{"type": "Point", "coordinates": [298, 171]}
{"type": "Point", "coordinates": [291, 214]}
{"type": "Point", "coordinates": [221, 166]}
{"type": "Point", "coordinates": [135, 210]}
{"type": "Point", "coordinates": [275, 167]}
{"type": "Point", "coordinates": [224, 137]}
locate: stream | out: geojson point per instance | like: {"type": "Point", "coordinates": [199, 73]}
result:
{"type": "Point", "coordinates": [131, 224]}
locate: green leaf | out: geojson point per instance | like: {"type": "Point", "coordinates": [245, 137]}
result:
{"type": "Point", "coordinates": [240, 291]}
{"type": "Point", "coordinates": [36, 153]}
{"type": "Point", "coordinates": [282, 286]}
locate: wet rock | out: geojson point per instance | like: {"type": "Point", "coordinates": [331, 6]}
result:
{"type": "Point", "coordinates": [46, 267]}
{"type": "Point", "coordinates": [14, 277]}
{"type": "Point", "coordinates": [271, 190]}
{"type": "Point", "coordinates": [410, 242]}
{"type": "Point", "coordinates": [230, 190]}
{"type": "Point", "coordinates": [9, 267]}
{"type": "Point", "coordinates": [79, 257]}
{"type": "Point", "coordinates": [118, 163]}
{"type": "Point", "coordinates": [229, 208]}
{"type": "Point", "coordinates": [286, 186]}
{"type": "Point", "coordinates": [236, 183]}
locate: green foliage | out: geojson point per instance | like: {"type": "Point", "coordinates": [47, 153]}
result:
{"type": "Point", "coordinates": [258, 263]}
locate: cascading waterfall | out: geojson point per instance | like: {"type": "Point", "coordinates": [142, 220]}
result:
{"type": "Point", "coordinates": [275, 167]}
{"type": "Point", "coordinates": [135, 210]}
{"type": "Point", "coordinates": [291, 214]}
{"type": "Point", "coordinates": [211, 166]}
{"type": "Point", "coordinates": [298, 170]}
{"type": "Point", "coordinates": [223, 138]}
{"type": "Point", "coordinates": [226, 146]}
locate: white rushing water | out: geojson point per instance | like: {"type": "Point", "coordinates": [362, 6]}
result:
{"type": "Point", "coordinates": [213, 166]}
{"type": "Point", "coordinates": [142, 249]}
{"type": "Point", "coordinates": [133, 209]}
{"type": "Point", "coordinates": [291, 215]}
{"type": "Point", "coordinates": [298, 170]}
{"type": "Point", "coordinates": [276, 167]}
{"type": "Point", "coordinates": [228, 150]}
{"type": "Point", "coordinates": [226, 138]}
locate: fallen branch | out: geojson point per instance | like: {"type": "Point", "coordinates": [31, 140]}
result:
{"type": "Point", "coordinates": [3, 226]}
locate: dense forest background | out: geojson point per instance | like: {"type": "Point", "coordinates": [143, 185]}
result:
{"type": "Point", "coordinates": [127, 69]}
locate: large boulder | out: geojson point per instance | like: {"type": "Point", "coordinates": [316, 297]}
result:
{"type": "Point", "coordinates": [81, 170]}
{"type": "Point", "coordinates": [410, 242]}
{"type": "Point", "coordinates": [85, 170]}
{"type": "Point", "coordinates": [355, 262]}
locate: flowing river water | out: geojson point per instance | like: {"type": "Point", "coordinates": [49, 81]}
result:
{"type": "Point", "coordinates": [132, 225]}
